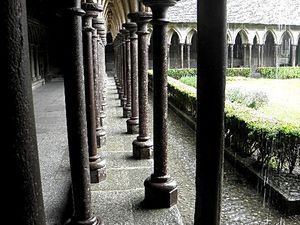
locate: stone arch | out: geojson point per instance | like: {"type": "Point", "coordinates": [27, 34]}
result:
{"type": "Point", "coordinates": [289, 33]}
{"type": "Point", "coordinates": [238, 53]}
{"type": "Point", "coordinates": [173, 31]}
{"type": "Point", "coordinates": [174, 51]}
{"type": "Point", "coordinates": [190, 35]}
{"type": "Point", "coordinates": [244, 36]}
{"type": "Point", "coordinates": [268, 32]}
{"type": "Point", "coordinates": [255, 52]}
{"type": "Point", "coordinates": [269, 49]}
{"type": "Point", "coordinates": [229, 37]}
{"type": "Point", "coordinates": [285, 48]}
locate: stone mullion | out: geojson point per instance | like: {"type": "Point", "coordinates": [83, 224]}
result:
{"type": "Point", "coordinates": [142, 146]}
{"type": "Point", "coordinates": [127, 107]}
{"type": "Point", "coordinates": [160, 187]}
{"type": "Point", "coordinates": [250, 55]}
{"type": "Point", "coordinates": [76, 117]}
{"type": "Point", "coordinates": [23, 201]}
{"type": "Point", "coordinates": [97, 165]}
{"type": "Point", "coordinates": [133, 122]}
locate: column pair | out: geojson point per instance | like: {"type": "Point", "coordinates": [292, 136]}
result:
{"type": "Point", "coordinates": [97, 164]}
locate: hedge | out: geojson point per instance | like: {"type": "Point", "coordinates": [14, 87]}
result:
{"type": "Point", "coordinates": [248, 132]}
{"type": "Point", "coordinates": [235, 72]}
{"type": "Point", "coordinates": [279, 72]}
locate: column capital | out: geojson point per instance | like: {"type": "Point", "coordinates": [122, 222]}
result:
{"type": "Point", "coordinates": [132, 27]}
{"type": "Point", "coordinates": [98, 23]}
{"type": "Point", "coordinates": [91, 7]}
{"type": "Point", "coordinates": [159, 3]}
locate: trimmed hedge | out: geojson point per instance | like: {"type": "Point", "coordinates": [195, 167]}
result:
{"type": "Point", "coordinates": [271, 142]}
{"type": "Point", "coordinates": [279, 72]}
{"type": "Point", "coordinates": [238, 72]}
{"type": "Point", "coordinates": [178, 73]}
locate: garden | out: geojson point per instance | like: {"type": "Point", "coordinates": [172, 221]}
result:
{"type": "Point", "coordinates": [262, 119]}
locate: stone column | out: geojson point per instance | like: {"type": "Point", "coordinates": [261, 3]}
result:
{"type": "Point", "coordinates": [276, 54]}
{"type": "Point", "coordinates": [32, 63]}
{"type": "Point", "coordinates": [76, 116]}
{"type": "Point", "coordinates": [293, 57]}
{"type": "Point", "coordinates": [23, 201]}
{"type": "Point", "coordinates": [262, 61]}
{"type": "Point", "coordinates": [142, 146]}
{"type": "Point", "coordinates": [244, 55]}
{"type": "Point", "coordinates": [250, 55]}
{"type": "Point", "coordinates": [181, 55]}
{"type": "Point", "coordinates": [133, 122]}
{"type": "Point", "coordinates": [98, 23]}
{"type": "Point", "coordinates": [231, 55]}
{"type": "Point", "coordinates": [188, 48]}
{"type": "Point", "coordinates": [127, 106]}
{"type": "Point", "coordinates": [124, 73]}
{"type": "Point", "coordinates": [211, 69]}
{"type": "Point", "coordinates": [97, 165]}
{"type": "Point", "coordinates": [37, 64]}
{"type": "Point", "coordinates": [160, 187]}
{"type": "Point", "coordinates": [259, 55]}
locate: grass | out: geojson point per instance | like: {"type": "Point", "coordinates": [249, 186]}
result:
{"type": "Point", "coordinates": [283, 95]}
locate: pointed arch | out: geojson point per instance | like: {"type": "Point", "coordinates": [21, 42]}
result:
{"type": "Point", "coordinates": [190, 35]}
{"type": "Point", "coordinates": [171, 33]}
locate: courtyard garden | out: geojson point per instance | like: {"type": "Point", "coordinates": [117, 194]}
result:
{"type": "Point", "coordinates": [262, 120]}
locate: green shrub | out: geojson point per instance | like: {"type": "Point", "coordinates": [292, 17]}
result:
{"type": "Point", "coordinates": [252, 99]}
{"type": "Point", "coordinates": [248, 132]}
{"type": "Point", "coordinates": [178, 73]}
{"type": "Point", "coordinates": [279, 72]}
{"type": "Point", "coordinates": [238, 72]}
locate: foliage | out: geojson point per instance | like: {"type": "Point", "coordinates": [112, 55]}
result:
{"type": "Point", "coordinates": [191, 81]}
{"type": "Point", "coordinates": [279, 72]}
{"type": "Point", "coordinates": [248, 132]}
{"type": "Point", "coordinates": [179, 73]}
{"type": "Point", "coordinates": [252, 99]}
{"type": "Point", "coordinates": [238, 72]}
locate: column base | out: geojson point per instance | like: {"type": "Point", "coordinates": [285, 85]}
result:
{"type": "Point", "coordinates": [133, 125]}
{"type": "Point", "coordinates": [160, 192]}
{"type": "Point", "coordinates": [95, 220]}
{"type": "Point", "coordinates": [97, 169]}
{"type": "Point", "coordinates": [120, 92]}
{"type": "Point", "coordinates": [142, 149]}
{"type": "Point", "coordinates": [101, 138]}
{"type": "Point", "coordinates": [126, 112]}
{"type": "Point", "coordinates": [104, 105]}
{"type": "Point", "coordinates": [102, 118]}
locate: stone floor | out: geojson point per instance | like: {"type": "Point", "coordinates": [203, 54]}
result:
{"type": "Point", "coordinates": [117, 200]}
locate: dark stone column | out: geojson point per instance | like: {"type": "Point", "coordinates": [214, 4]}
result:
{"type": "Point", "coordinates": [160, 188]}
{"type": "Point", "coordinates": [124, 73]}
{"type": "Point", "coordinates": [32, 63]}
{"type": "Point", "coordinates": [181, 55]}
{"type": "Point", "coordinates": [101, 133]}
{"type": "Point", "coordinates": [97, 165]}
{"type": "Point", "coordinates": [133, 122]}
{"type": "Point", "coordinates": [211, 69]}
{"type": "Point", "coordinates": [23, 201]}
{"type": "Point", "coordinates": [127, 106]}
{"type": "Point", "coordinates": [76, 116]}
{"type": "Point", "coordinates": [37, 66]}
{"type": "Point", "coordinates": [231, 55]}
{"type": "Point", "coordinates": [142, 146]}
{"type": "Point", "coordinates": [188, 48]}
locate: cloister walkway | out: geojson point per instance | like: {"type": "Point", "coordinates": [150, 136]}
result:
{"type": "Point", "coordinates": [117, 200]}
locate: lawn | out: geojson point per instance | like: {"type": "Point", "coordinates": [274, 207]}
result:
{"type": "Point", "coordinates": [283, 95]}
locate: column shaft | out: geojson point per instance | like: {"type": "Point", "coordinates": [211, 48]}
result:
{"type": "Point", "coordinates": [211, 69]}
{"type": "Point", "coordinates": [188, 48]}
{"type": "Point", "coordinates": [160, 188]}
{"type": "Point", "coordinates": [250, 55]}
{"type": "Point", "coordinates": [181, 55]}
{"type": "Point", "coordinates": [259, 56]}
{"type": "Point", "coordinates": [293, 57]}
{"type": "Point", "coordinates": [76, 116]}
{"type": "Point", "coordinates": [127, 106]}
{"type": "Point", "coordinates": [142, 146]}
{"type": "Point", "coordinates": [23, 203]}
{"type": "Point", "coordinates": [231, 55]}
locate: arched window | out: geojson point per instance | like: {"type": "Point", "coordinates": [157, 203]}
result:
{"type": "Point", "coordinates": [194, 51]}
{"type": "Point", "coordinates": [238, 48]}
{"type": "Point", "coordinates": [269, 51]}
{"type": "Point", "coordinates": [175, 51]}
